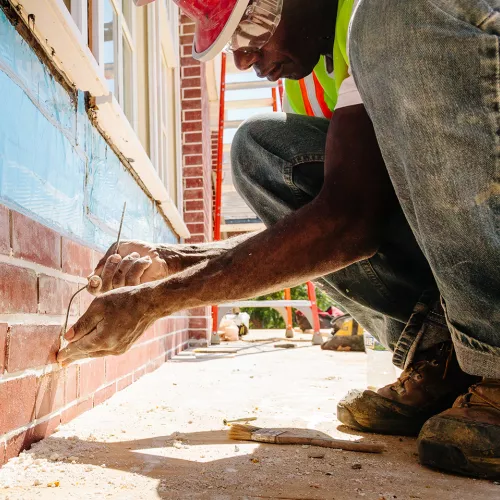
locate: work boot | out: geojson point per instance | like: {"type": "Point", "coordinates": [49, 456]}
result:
{"type": "Point", "coordinates": [466, 438]}
{"type": "Point", "coordinates": [427, 387]}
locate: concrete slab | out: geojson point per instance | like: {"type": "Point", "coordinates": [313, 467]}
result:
{"type": "Point", "coordinates": [164, 438]}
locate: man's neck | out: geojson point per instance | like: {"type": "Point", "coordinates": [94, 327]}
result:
{"type": "Point", "coordinates": [326, 25]}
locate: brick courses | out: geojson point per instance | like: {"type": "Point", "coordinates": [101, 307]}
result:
{"type": "Point", "coordinates": [36, 395]}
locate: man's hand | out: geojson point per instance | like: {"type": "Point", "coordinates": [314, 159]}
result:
{"type": "Point", "coordinates": [112, 323]}
{"type": "Point", "coordinates": [135, 262]}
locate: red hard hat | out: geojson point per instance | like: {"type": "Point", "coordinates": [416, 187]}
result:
{"type": "Point", "coordinates": [216, 22]}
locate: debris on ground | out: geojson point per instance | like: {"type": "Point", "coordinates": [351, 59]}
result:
{"type": "Point", "coordinates": [159, 456]}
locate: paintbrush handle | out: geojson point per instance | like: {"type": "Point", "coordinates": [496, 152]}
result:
{"type": "Point", "coordinates": [338, 444]}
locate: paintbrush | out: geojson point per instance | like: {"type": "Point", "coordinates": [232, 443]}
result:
{"type": "Point", "coordinates": [240, 432]}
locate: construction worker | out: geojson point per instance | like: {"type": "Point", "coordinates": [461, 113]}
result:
{"type": "Point", "coordinates": [396, 199]}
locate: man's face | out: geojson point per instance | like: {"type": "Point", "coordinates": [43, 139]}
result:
{"type": "Point", "coordinates": [290, 53]}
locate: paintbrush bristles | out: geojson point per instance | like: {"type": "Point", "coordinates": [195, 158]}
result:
{"type": "Point", "coordinates": [242, 432]}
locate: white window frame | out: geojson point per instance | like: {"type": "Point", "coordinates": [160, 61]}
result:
{"type": "Point", "coordinates": [79, 13]}
{"type": "Point", "coordinates": [163, 44]}
{"type": "Point", "coordinates": [123, 30]}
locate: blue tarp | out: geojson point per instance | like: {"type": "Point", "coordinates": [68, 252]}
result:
{"type": "Point", "coordinates": [54, 165]}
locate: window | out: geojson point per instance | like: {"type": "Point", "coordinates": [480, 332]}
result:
{"type": "Point", "coordinates": [167, 164]}
{"type": "Point", "coordinates": [79, 11]}
{"type": "Point", "coordinates": [164, 86]}
{"type": "Point", "coordinates": [118, 54]}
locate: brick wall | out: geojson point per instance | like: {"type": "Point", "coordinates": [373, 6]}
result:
{"type": "Point", "coordinates": [39, 271]}
{"type": "Point", "coordinates": [196, 155]}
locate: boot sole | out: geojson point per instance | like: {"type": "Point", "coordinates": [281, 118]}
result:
{"type": "Point", "coordinates": [460, 457]}
{"type": "Point", "coordinates": [378, 415]}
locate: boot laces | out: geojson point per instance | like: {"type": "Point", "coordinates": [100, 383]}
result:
{"type": "Point", "coordinates": [479, 399]}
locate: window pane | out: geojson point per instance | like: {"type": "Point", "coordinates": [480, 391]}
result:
{"type": "Point", "coordinates": [110, 46]}
{"type": "Point", "coordinates": [128, 82]}
{"type": "Point", "coordinates": [127, 13]}
{"type": "Point", "coordinates": [68, 4]}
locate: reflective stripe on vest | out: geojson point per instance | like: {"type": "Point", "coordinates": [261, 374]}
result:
{"type": "Point", "coordinates": [316, 95]}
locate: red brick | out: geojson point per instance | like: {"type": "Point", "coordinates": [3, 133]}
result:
{"type": "Point", "coordinates": [188, 62]}
{"type": "Point", "coordinates": [55, 294]}
{"type": "Point", "coordinates": [193, 183]}
{"type": "Point", "coordinates": [71, 389]}
{"type": "Point", "coordinates": [104, 394]}
{"type": "Point", "coordinates": [193, 137]}
{"type": "Point", "coordinates": [30, 346]}
{"type": "Point", "coordinates": [193, 194]}
{"type": "Point", "coordinates": [77, 409]}
{"type": "Point", "coordinates": [196, 239]}
{"type": "Point", "coordinates": [17, 401]}
{"type": "Point", "coordinates": [193, 71]}
{"type": "Point", "coordinates": [192, 172]}
{"type": "Point", "coordinates": [18, 290]}
{"type": "Point", "coordinates": [124, 382]}
{"type": "Point", "coordinates": [193, 82]}
{"type": "Point", "coordinates": [43, 430]}
{"type": "Point", "coordinates": [192, 126]}
{"type": "Point", "coordinates": [199, 311]}
{"type": "Point", "coordinates": [92, 375]}
{"type": "Point", "coordinates": [4, 230]}
{"type": "Point", "coordinates": [50, 394]}
{"type": "Point", "coordinates": [192, 206]}
{"type": "Point", "coordinates": [191, 94]}
{"type": "Point", "coordinates": [34, 242]}
{"type": "Point", "coordinates": [198, 334]}
{"type": "Point", "coordinates": [196, 228]}
{"type": "Point", "coordinates": [3, 345]}
{"type": "Point", "coordinates": [190, 116]}
{"type": "Point", "coordinates": [17, 444]}
{"type": "Point", "coordinates": [191, 104]}
{"type": "Point", "coordinates": [139, 373]}
{"type": "Point", "coordinates": [188, 28]}
{"type": "Point", "coordinates": [194, 217]}
{"type": "Point", "coordinates": [193, 160]}
{"type": "Point", "coordinates": [76, 259]}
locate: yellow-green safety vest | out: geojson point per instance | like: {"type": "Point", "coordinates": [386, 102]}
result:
{"type": "Point", "coordinates": [317, 94]}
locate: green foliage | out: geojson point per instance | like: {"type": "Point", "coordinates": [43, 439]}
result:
{"type": "Point", "coordinates": [261, 317]}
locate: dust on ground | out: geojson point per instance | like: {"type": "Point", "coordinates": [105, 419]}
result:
{"type": "Point", "coordinates": [164, 437]}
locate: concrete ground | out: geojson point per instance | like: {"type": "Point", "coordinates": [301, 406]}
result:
{"type": "Point", "coordinates": [164, 437]}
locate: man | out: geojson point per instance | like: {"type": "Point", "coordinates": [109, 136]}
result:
{"type": "Point", "coordinates": [389, 248]}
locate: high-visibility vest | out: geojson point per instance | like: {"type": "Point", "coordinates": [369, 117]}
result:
{"type": "Point", "coordinates": [317, 94]}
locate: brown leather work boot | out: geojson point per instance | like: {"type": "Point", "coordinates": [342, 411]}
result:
{"type": "Point", "coordinates": [466, 438]}
{"type": "Point", "coordinates": [427, 387]}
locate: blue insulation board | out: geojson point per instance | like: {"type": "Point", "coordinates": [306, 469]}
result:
{"type": "Point", "coordinates": [55, 166]}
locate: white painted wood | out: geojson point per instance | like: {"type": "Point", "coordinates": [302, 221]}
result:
{"type": "Point", "coordinates": [59, 34]}
{"type": "Point", "coordinates": [238, 228]}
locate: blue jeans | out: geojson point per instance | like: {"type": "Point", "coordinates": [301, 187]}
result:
{"type": "Point", "coordinates": [429, 74]}
{"type": "Point", "coordinates": [278, 163]}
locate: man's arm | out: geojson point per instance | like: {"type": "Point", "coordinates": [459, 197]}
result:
{"type": "Point", "coordinates": [136, 262]}
{"type": "Point", "coordinates": [339, 227]}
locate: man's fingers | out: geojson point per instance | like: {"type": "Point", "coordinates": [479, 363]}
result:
{"type": "Point", "coordinates": [85, 324]}
{"type": "Point", "coordinates": [86, 347]}
{"type": "Point", "coordinates": [137, 270]}
{"type": "Point", "coordinates": [123, 269]}
{"type": "Point", "coordinates": [94, 285]}
{"type": "Point", "coordinates": [108, 272]}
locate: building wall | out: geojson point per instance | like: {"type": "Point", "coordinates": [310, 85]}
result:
{"type": "Point", "coordinates": [39, 271]}
{"type": "Point", "coordinates": [197, 160]}
{"type": "Point", "coordinates": [62, 188]}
